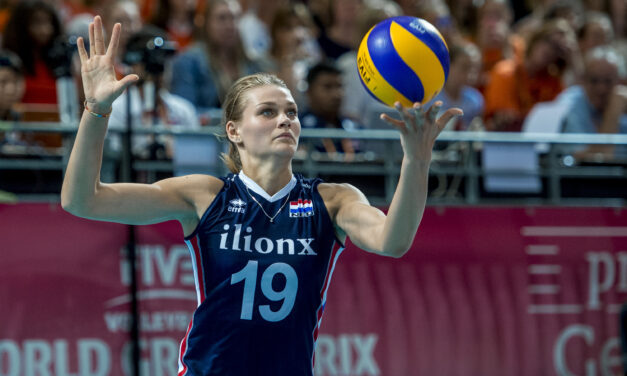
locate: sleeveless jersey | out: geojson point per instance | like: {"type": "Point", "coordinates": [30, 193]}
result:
{"type": "Point", "coordinates": [261, 284]}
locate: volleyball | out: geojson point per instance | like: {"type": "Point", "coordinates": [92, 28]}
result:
{"type": "Point", "coordinates": [403, 59]}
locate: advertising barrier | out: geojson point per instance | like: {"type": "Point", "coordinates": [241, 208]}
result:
{"type": "Point", "coordinates": [483, 291]}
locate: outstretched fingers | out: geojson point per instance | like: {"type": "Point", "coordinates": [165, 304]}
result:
{"type": "Point", "coordinates": [82, 53]}
{"type": "Point", "coordinates": [98, 36]}
{"type": "Point", "coordinates": [92, 48]}
{"type": "Point", "coordinates": [125, 82]}
{"type": "Point", "coordinates": [115, 39]}
{"type": "Point", "coordinates": [394, 122]}
{"type": "Point", "coordinates": [447, 116]}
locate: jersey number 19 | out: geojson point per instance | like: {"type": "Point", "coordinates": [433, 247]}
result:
{"type": "Point", "coordinates": [288, 294]}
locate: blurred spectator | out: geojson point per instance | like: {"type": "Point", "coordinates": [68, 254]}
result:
{"type": "Point", "coordinates": [6, 7]}
{"type": "Point", "coordinates": [616, 9]}
{"type": "Point", "coordinates": [204, 72]}
{"type": "Point", "coordinates": [463, 14]}
{"type": "Point", "coordinates": [546, 10]}
{"type": "Point", "coordinates": [150, 103]}
{"type": "Point", "coordinates": [294, 49]}
{"type": "Point", "coordinates": [11, 92]}
{"type": "Point", "coordinates": [516, 85]}
{"type": "Point", "coordinates": [320, 13]}
{"type": "Point", "coordinates": [495, 39]}
{"type": "Point", "coordinates": [341, 35]}
{"type": "Point", "coordinates": [599, 105]}
{"type": "Point", "coordinates": [254, 25]}
{"type": "Point", "coordinates": [357, 103]}
{"type": "Point", "coordinates": [11, 86]}
{"type": "Point", "coordinates": [324, 95]}
{"type": "Point", "coordinates": [458, 90]}
{"type": "Point", "coordinates": [177, 18]}
{"type": "Point", "coordinates": [31, 33]}
{"type": "Point", "coordinates": [596, 31]}
{"type": "Point", "coordinates": [125, 12]}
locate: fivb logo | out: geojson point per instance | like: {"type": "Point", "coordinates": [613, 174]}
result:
{"type": "Point", "coordinates": [301, 208]}
{"type": "Point", "coordinates": [264, 245]}
{"type": "Point", "coordinates": [237, 206]}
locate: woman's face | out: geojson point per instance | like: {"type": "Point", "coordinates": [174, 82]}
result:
{"type": "Point", "coordinates": [41, 28]}
{"type": "Point", "coordinates": [222, 25]}
{"type": "Point", "coordinates": [494, 25]}
{"type": "Point", "coordinates": [269, 126]}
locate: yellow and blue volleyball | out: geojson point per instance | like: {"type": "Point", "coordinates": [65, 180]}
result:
{"type": "Point", "coordinates": [403, 59]}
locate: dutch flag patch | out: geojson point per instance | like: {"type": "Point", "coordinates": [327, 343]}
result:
{"type": "Point", "coordinates": [301, 208]}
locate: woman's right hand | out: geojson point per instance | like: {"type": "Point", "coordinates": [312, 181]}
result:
{"type": "Point", "coordinates": [99, 80]}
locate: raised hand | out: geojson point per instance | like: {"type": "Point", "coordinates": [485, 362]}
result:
{"type": "Point", "coordinates": [97, 68]}
{"type": "Point", "coordinates": [420, 128]}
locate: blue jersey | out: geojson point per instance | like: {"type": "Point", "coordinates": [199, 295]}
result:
{"type": "Point", "coordinates": [261, 283]}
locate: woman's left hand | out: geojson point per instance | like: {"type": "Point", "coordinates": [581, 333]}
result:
{"type": "Point", "coordinates": [419, 128]}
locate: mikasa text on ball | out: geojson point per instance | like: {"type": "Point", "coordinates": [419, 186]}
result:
{"type": "Point", "coordinates": [403, 59]}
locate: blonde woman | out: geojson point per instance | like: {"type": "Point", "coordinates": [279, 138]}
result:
{"type": "Point", "coordinates": [263, 240]}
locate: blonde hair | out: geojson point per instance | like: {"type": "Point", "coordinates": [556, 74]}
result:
{"type": "Point", "coordinates": [233, 109]}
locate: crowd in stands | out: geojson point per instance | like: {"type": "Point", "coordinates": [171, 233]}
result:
{"type": "Point", "coordinates": [506, 56]}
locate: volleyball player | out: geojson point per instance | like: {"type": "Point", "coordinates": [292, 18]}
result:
{"type": "Point", "coordinates": [263, 241]}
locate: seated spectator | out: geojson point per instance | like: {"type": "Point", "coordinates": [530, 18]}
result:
{"type": "Point", "coordinates": [616, 9]}
{"type": "Point", "coordinates": [568, 10]}
{"type": "Point", "coordinates": [177, 18]}
{"type": "Point", "coordinates": [31, 33]}
{"type": "Point", "coordinates": [294, 49]}
{"type": "Point", "coordinates": [516, 85]}
{"type": "Point", "coordinates": [341, 35]}
{"type": "Point", "coordinates": [324, 95]}
{"type": "Point", "coordinates": [254, 26]}
{"type": "Point", "coordinates": [599, 105]}
{"type": "Point", "coordinates": [495, 38]}
{"type": "Point", "coordinates": [167, 110]}
{"type": "Point", "coordinates": [204, 72]}
{"type": "Point", "coordinates": [458, 91]}
{"type": "Point", "coordinates": [11, 92]}
{"type": "Point", "coordinates": [125, 12]}
{"type": "Point", "coordinates": [11, 86]}
{"type": "Point", "coordinates": [596, 31]}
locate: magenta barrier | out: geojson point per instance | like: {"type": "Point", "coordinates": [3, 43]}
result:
{"type": "Point", "coordinates": [483, 291]}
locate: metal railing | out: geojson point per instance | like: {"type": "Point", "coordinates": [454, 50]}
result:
{"type": "Point", "coordinates": [457, 170]}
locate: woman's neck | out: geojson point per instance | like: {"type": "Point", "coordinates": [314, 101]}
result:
{"type": "Point", "coordinates": [268, 176]}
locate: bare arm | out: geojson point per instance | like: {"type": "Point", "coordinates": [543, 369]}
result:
{"type": "Point", "coordinates": [393, 234]}
{"type": "Point", "coordinates": [82, 193]}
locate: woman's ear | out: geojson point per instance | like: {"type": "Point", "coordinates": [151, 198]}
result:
{"type": "Point", "coordinates": [232, 132]}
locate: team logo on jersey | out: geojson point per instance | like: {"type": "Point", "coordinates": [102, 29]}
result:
{"type": "Point", "coordinates": [237, 206]}
{"type": "Point", "coordinates": [301, 208]}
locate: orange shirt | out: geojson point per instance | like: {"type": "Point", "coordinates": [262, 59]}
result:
{"type": "Point", "coordinates": [511, 90]}
{"type": "Point", "coordinates": [491, 56]}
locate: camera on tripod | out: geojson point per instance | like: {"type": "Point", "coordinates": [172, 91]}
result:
{"type": "Point", "coordinates": [149, 48]}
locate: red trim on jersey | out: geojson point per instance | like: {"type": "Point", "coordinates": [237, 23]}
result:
{"type": "Point", "coordinates": [184, 348]}
{"type": "Point", "coordinates": [336, 247]}
{"type": "Point", "coordinates": [199, 269]}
